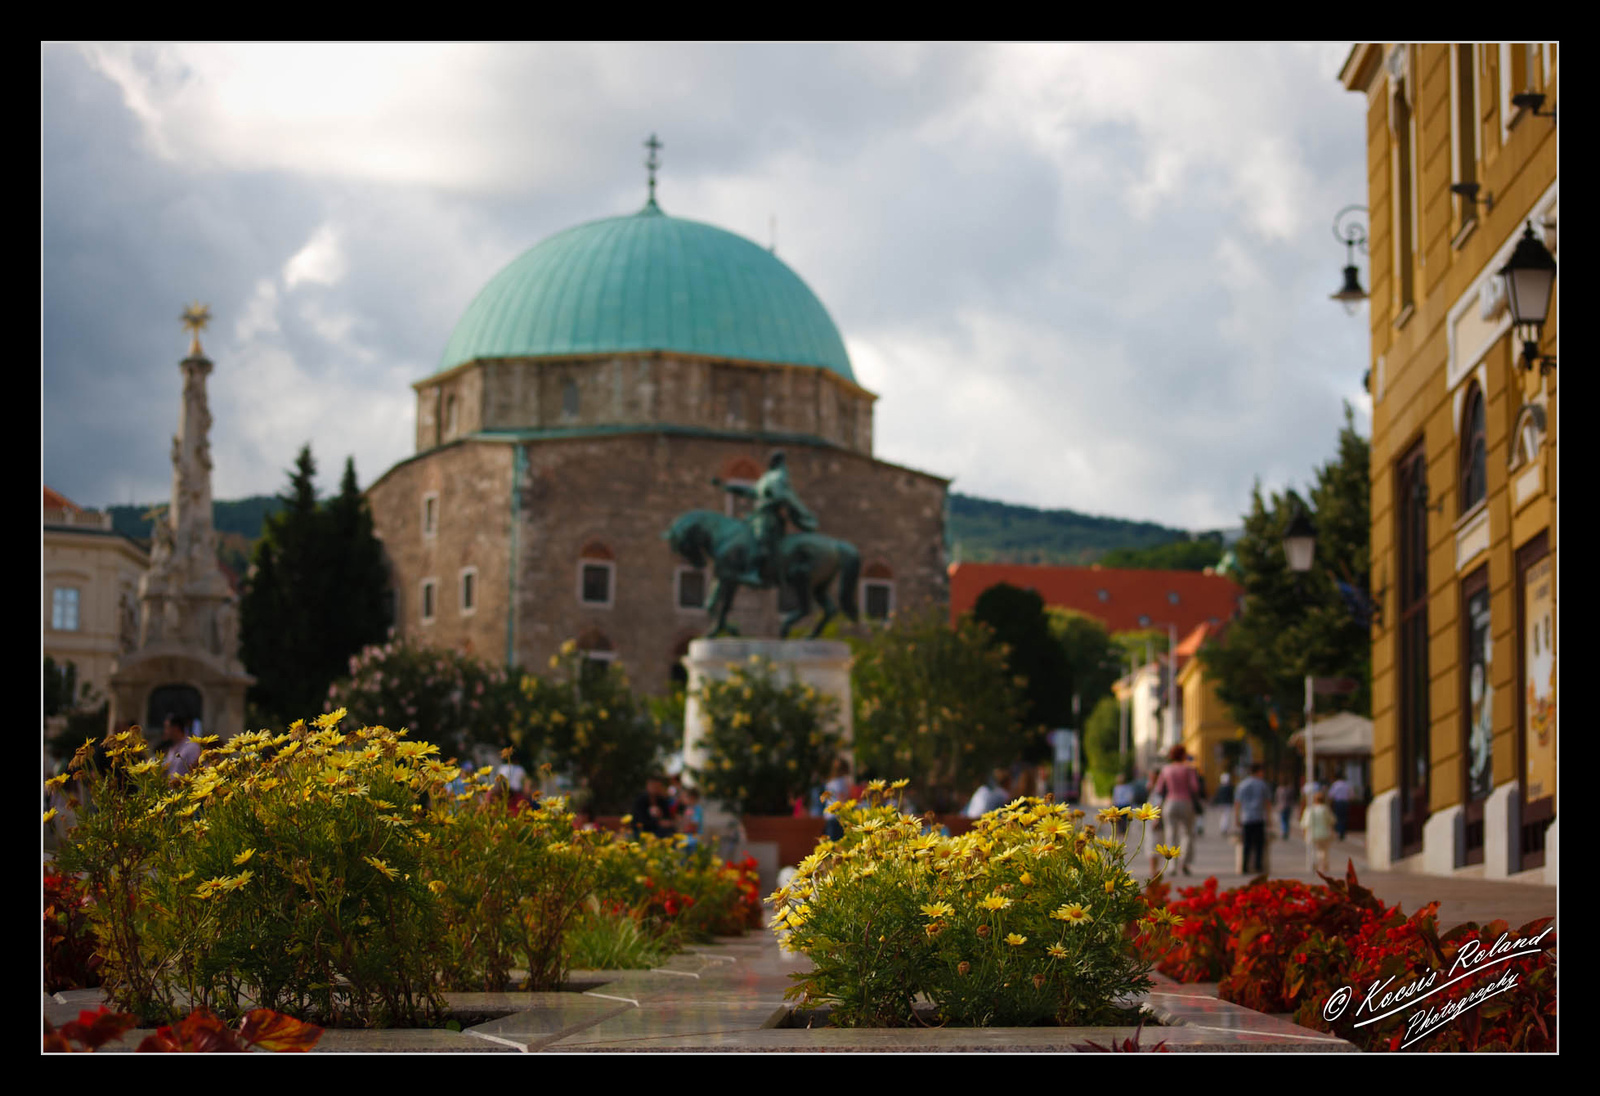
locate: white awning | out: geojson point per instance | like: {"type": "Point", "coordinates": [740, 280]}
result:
{"type": "Point", "coordinates": [1345, 733]}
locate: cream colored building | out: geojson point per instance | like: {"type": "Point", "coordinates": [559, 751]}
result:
{"type": "Point", "coordinates": [90, 589]}
{"type": "Point", "coordinates": [1461, 163]}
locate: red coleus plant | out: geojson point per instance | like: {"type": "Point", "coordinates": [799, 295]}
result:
{"type": "Point", "coordinates": [199, 1032]}
{"type": "Point", "coordinates": [70, 958]}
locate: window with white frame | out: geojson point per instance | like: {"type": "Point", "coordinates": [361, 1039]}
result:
{"type": "Point", "coordinates": [430, 589]}
{"type": "Point", "coordinates": [64, 608]}
{"type": "Point", "coordinates": [569, 398]}
{"type": "Point", "coordinates": [597, 573]}
{"type": "Point", "coordinates": [877, 598]}
{"type": "Point", "coordinates": [430, 514]}
{"type": "Point", "coordinates": [691, 588]}
{"type": "Point", "coordinates": [469, 590]}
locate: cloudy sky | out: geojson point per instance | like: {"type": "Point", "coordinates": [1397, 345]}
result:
{"type": "Point", "coordinates": [1084, 276]}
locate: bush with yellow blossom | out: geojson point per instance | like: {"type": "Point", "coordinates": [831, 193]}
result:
{"type": "Point", "coordinates": [285, 872]}
{"type": "Point", "coordinates": [1020, 921]}
{"type": "Point", "coordinates": [767, 741]}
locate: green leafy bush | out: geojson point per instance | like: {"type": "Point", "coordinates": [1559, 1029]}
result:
{"type": "Point", "coordinates": [1022, 920]}
{"type": "Point", "coordinates": [767, 741]}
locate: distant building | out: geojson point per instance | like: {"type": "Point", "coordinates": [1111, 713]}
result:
{"type": "Point", "coordinates": [1124, 600]}
{"type": "Point", "coordinates": [1461, 165]}
{"type": "Point", "coordinates": [1209, 732]}
{"type": "Point", "coordinates": [587, 397]}
{"type": "Point", "coordinates": [91, 589]}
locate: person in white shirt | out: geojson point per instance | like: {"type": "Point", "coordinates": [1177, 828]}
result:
{"type": "Point", "coordinates": [992, 796]}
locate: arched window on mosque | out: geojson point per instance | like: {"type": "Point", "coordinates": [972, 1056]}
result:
{"type": "Point", "coordinates": [1474, 476]}
{"type": "Point", "coordinates": [569, 398]}
{"type": "Point", "coordinates": [597, 572]}
{"type": "Point", "coordinates": [877, 591]}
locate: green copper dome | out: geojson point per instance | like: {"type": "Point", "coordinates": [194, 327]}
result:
{"type": "Point", "coordinates": [649, 282]}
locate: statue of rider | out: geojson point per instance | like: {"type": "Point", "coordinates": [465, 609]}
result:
{"type": "Point", "coordinates": [775, 501]}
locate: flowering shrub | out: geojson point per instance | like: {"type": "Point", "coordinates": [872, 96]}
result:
{"type": "Point", "coordinates": [1019, 921]}
{"type": "Point", "coordinates": [346, 878]}
{"type": "Point", "coordinates": [1283, 946]}
{"type": "Point", "coordinates": [509, 885]}
{"type": "Point", "coordinates": [584, 720]}
{"type": "Point", "coordinates": [766, 742]}
{"type": "Point", "coordinates": [284, 872]}
{"type": "Point", "coordinates": [934, 703]}
{"type": "Point", "coordinates": [70, 961]}
{"type": "Point", "coordinates": [438, 694]}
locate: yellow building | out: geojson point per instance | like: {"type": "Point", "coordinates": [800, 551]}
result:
{"type": "Point", "coordinates": [91, 579]}
{"type": "Point", "coordinates": [1461, 163]}
{"type": "Point", "coordinates": [1208, 726]}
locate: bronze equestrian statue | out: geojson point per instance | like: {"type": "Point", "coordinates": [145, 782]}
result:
{"type": "Point", "coordinates": [757, 553]}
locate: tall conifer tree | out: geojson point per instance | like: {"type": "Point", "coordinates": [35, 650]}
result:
{"type": "Point", "coordinates": [317, 593]}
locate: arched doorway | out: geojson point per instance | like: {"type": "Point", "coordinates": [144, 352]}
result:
{"type": "Point", "coordinates": [183, 701]}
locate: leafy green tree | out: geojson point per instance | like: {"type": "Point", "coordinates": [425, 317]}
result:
{"type": "Point", "coordinates": [317, 594]}
{"type": "Point", "coordinates": [1033, 654]}
{"type": "Point", "coordinates": [935, 705]}
{"type": "Point", "coordinates": [1092, 658]}
{"type": "Point", "coordinates": [1102, 744]}
{"type": "Point", "coordinates": [1299, 624]}
{"type": "Point", "coordinates": [1195, 554]}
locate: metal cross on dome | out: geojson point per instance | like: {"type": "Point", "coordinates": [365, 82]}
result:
{"type": "Point", "coordinates": [652, 163]}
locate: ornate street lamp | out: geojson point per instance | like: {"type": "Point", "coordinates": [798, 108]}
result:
{"type": "Point", "coordinates": [1300, 542]}
{"type": "Point", "coordinates": [1353, 235]}
{"type": "Point", "coordinates": [1529, 276]}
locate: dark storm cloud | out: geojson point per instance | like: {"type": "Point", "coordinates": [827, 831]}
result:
{"type": "Point", "coordinates": [1077, 276]}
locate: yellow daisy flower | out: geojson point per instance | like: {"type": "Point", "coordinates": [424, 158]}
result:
{"type": "Point", "coordinates": [936, 910]}
{"type": "Point", "coordinates": [1016, 941]}
{"type": "Point", "coordinates": [995, 902]}
{"type": "Point", "coordinates": [1146, 813]}
{"type": "Point", "coordinates": [244, 857]}
{"type": "Point", "coordinates": [1057, 951]}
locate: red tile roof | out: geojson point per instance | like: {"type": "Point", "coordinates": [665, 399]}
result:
{"type": "Point", "coordinates": [1118, 598]}
{"type": "Point", "coordinates": [55, 500]}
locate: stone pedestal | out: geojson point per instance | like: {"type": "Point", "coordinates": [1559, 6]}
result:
{"type": "Point", "coordinates": [1383, 831]}
{"type": "Point", "coordinates": [1502, 832]}
{"type": "Point", "coordinates": [824, 664]}
{"type": "Point", "coordinates": [1444, 840]}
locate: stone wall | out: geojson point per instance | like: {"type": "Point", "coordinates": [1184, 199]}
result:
{"type": "Point", "coordinates": [472, 480]}
{"type": "Point", "coordinates": [623, 492]}
{"type": "Point", "coordinates": [643, 389]}
{"type": "Point", "coordinates": [620, 493]}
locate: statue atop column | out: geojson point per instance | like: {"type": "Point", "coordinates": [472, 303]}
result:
{"type": "Point", "coordinates": [187, 632]}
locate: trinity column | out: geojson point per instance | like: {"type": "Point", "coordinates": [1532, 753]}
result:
{"type": "Point", "coordinates": [187, 658]}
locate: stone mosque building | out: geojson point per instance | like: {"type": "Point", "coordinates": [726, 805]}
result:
{"type": "Point", "coordinates": [588, 395]}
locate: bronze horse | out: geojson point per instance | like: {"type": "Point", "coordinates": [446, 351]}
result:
{"type": "Point", "coordinates": [806, 563]}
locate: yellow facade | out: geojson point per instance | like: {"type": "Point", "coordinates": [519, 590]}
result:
{"type": "Point", "coordinates": [1207, 723]}
{"type": "Point", "coordinates": [1463, 548]}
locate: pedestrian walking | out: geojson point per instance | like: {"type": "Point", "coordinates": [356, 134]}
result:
{"type": "Point", "coordinates": [1223, 801]}
{"type": "Point", "coordinates": [1179, 789]}
{"type": "Point", "coordinates": [1283, 802]}
{"type": "Point", "coordinates": [1249, 811]}
{"type": "Point", "coordinates": [1317, 822]}
{"type": "Point", "coordinates": [1339, 795]}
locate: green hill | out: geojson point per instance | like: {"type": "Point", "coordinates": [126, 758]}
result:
{"type": "Point", "coordinates": [984, 531]}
